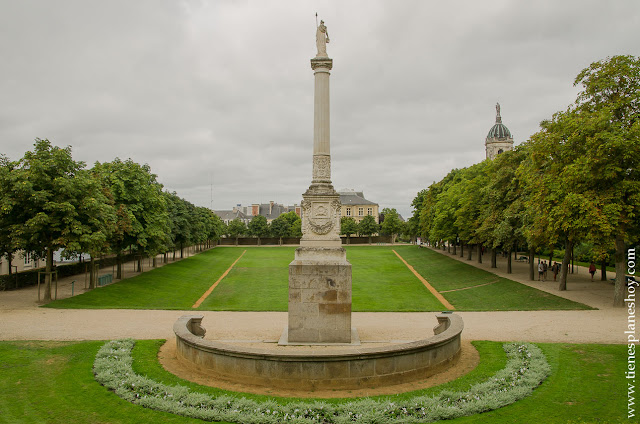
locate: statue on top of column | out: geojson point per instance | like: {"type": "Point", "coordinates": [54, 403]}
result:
{"type": "Point", "coordinates": [322, 38]}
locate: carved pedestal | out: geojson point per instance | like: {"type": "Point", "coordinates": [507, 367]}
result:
{"type": "Point", "coordinates": [319, 296]}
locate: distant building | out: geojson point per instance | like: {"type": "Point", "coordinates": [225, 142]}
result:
{"type": "Point", "coordinates": [228, 216]}
{"type": "Point", "coordinates": [356, 206]}
{"type": "Point", "coordinates": [499, 139]}
{"type": "Point", "coordinates": [270, 210]}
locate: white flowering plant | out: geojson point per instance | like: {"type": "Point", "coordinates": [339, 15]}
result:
{"type": "Point", "coordinates": [526, 369]}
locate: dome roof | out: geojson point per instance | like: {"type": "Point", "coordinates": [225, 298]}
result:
{"type": "Point", "coordinates": [499, 130]}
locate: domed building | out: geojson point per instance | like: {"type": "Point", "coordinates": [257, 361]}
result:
{"type": "Point", "coordinates": [499, 139]}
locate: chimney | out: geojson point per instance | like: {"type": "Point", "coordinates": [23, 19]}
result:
{"type": "Point", "coordinates": [255, 209]}
{"type": "Point", "coordinates": [271, 202]}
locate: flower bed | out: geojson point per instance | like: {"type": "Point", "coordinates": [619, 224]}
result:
{"type": "Point", "coordinates": [526, 368]}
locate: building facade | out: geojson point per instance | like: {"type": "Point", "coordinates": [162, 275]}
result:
{"type": "Point", "coordinates": [355, 205]}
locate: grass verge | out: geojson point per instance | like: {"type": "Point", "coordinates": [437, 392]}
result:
{"type": "Point", "coordinates": [53, 382]}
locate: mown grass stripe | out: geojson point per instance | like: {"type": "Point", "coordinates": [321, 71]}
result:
{"type": "Point", "coordinates": [210, 289]}
{"type": "Point", "coordinates": [433, 291]}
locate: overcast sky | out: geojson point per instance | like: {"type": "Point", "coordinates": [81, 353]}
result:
{"type": "Point", "coordinates": [220, 93]}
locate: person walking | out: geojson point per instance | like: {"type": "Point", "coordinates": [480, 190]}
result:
{"type": "Point", "coordinates": [555, 268]}
{"type": "Point", "coordinates": [592, 270]}
{"type": "Point", "coordinates": [540, 270]}
{"type": "Point", "coordinates": [544, 270]}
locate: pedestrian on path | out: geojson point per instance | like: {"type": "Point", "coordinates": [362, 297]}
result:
{"type": "Point", "coordinates": [555, 268]}
{"type": "Point", "coordinates": [592, 270]}
{"type": "Point", "coordinates": [540, 271]}
{"type": "Point", "coordinates": [544, 270]}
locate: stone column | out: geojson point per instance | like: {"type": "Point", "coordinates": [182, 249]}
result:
{"type": "Point", "coordinates": [320, 275]}
{"type": "Point", "coordinates": [321, 128]}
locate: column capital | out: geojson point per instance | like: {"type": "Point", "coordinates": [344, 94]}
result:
{"type": "Point", "coordinates": [321, 62]}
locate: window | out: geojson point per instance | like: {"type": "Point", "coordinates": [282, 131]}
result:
{"type": "Point", "coordinates": [369, 211]}
{"type": "Point", "coordinates": [360, 211]}
{"type": "Point", "coordinates": [348, 211]}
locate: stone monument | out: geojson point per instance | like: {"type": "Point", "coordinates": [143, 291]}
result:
{"type": "Point", "coordinates": [320, 275]}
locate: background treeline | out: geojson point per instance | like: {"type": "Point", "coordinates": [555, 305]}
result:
{"type": "Point", "coordinates": [290, 225]}
{"type": "Point", "coordinates": [575, 181]}
{"type": "Point", "coordinates": [50, 202]}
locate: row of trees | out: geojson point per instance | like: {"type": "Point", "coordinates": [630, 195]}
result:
{"type": "Point", "coordinates": [49, 202]}
{"type": "Point", "coordinates": [576, 180]}
{"type": "Point", "coordinates": [286, 225]}
{"type": "Point", "coordinates": [390, 224]}
{"type": "Point", "coordinates": [290, 225]}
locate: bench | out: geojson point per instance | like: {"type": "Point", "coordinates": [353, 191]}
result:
{"type": "Point", "coordinates": [103, 280]}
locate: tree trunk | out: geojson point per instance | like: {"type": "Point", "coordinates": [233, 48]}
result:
{"type": "Point", "coordinates": [550, 257]}
{"type": "Point", "coordinates": [47, 280]}
{"type": "Point", "coordinates": [280, 241]}
{"type": "Point", "coordinates": [454, 249]}
{"type": "Point", "coordinates": [470, 249]}
{"type": "Point", "coordinates": [603, 270]}
{"type": "Point", "coordinates": [509, 263]}
{"type": "Point", "coordinates": [448, 247]}
{"type": "Point", "coordinates": [572, 259]}
{"type": "Point", "coordinates": [532, 254]}
{"type": "Point", "coordinates": [494, 259]}
{"type": "Point", "coordinates": [139, 263]}
{"type": "Point", "coordinates": [462, 249]}
{"type": "Point", "coordinates": [9, 260]}
{"type": "Point", "coordinates": [369, 239]}
{"type": "Point", "coordinates": [119, 265]}
{"type": "Point", "coordinates": [92, 273]}
{"type": "Point", "coordinates": [621, 280]}
{"type": "Point", "coordinates": [565, 266]}
{"type": "Point", "coordinates": [236, 240]}
{"type": "Point", "coordinates": [165, 257]}
{"type": "Point", "coordinates": [155, 262]}
{"type": "Point", "coordinates": [181, 251]}
{"type": "Point", "coordinates": [479, 253]}
{"type": "Point", "coordinates": [258, 240]}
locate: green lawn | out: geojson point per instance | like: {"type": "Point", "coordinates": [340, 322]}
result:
{"type": "Point", "coordinates": [446, 273]}
{"type": "Point", "coordinates": [52, 382]}
{"type": "Point", "coordinates": [176, 285]}
{"type": "Point", "coordinates": [259, 282]}
{"type": "Point", "coordinates": [381, 282]}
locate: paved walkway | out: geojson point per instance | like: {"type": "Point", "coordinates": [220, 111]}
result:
{"type": "Point", "coordinates": [22, 319]}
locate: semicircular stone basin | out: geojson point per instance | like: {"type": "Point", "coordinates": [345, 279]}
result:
{"type": "Point", "coordinates": [348, 367]}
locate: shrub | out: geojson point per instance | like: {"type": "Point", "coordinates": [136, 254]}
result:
{"type": "Point", "coordinates": [526, 368]}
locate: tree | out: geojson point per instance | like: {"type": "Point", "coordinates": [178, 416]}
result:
{"type": "Point", "coordinates": [58, 204]}
{"type": "Point", "coordinates": [392, 224]}
{"type": "Point", "coordinates": [295, 223]}
{"type": "Point", "coordinates": [258, 227]}
{"type": "Point", "coordinates": [142, 219]}
{"type": "Point", "coordinates": [280, 227]}
{"type": "Point", "coordinates": [8, 243]}
{"type": "Point", "coordinates": [503, 221]}
{"type": "Point", "coordinates": [236, 228]}
{"type": "Point", "coordinates": [348, 226]}
{"type": "Point", "coordinates": [584, 165]}
{"type": "Point", "coordinates": [368, 226]}
{"type": "Point", "coordinates": [471, 201]}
